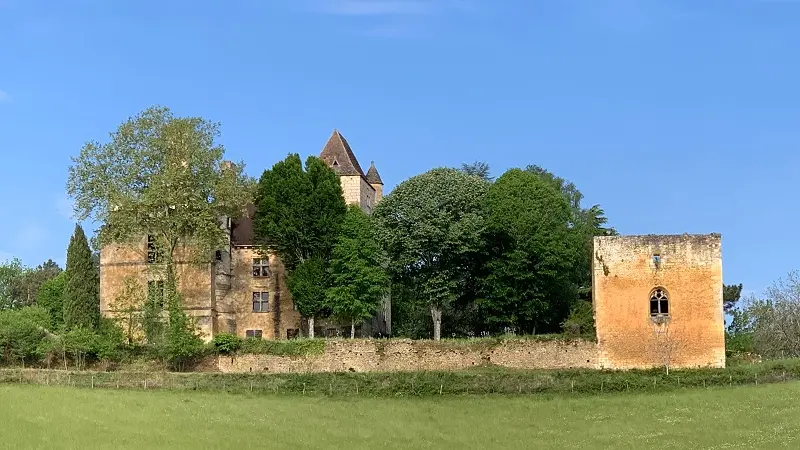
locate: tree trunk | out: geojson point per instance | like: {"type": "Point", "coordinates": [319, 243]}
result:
{"type": "Point", "coordinates": [311, 327]}
{"type": "Point", "coordinates": [352, 329]}
{"type": "Point", "coordinates": [436, 314]}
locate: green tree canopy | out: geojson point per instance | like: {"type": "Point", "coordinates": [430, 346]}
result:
{"type": "Point", "coordinates": [51, 298]}
{"type": "Point", "coordinates": [527, 284]}
{"type": "Point", "coordinates": [307, 284]}
{"type": "Point", "coordinates": [358, 274]}
{"type": "Point", "coordinates": [731, 293]}
{"type": "Point", "coordinates": [298, 215]}
{"type": "Point", "coordinates": [161, 176]}
{"type": "Point", "coordinates": [298, 212]}
{"type": "Point", "coordinates": [586, 223]}
{"type": "Point", "coordinates": [81, 304]}
{"type": "Point", "coordinates": [431, 226]}
{"type": "Point", "coordinates": [10, 274]}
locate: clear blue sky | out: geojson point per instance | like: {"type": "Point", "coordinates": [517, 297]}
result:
{"type": "Point", "coordinates": [675, 115]}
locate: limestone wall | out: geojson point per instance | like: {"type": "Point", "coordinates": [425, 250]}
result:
{"type": "Point", "coordinates": [689, 269]}
{"type": "Point", "coordinates": [237, 304]}
{"type": "Point", "coordinates": [363, 355]}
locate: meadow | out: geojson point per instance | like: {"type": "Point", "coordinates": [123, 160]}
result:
{"type": "Point", "coordinates": [764, 416]}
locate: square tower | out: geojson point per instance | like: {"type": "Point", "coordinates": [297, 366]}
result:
{"type": "Point", "coordinates": [658, 301]}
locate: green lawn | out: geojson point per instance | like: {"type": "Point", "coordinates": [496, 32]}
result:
{"type": "Point", "coordinates": [754, 417]}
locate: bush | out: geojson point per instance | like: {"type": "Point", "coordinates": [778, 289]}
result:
{"type": "Point", "coordinates": [22, 332]}
{"type": "Point", "coordinates": [226, 343]}
{"type": "Point", "coordinates": [580, 320]}
{"type": "Point", "coordinates": [109, 342]}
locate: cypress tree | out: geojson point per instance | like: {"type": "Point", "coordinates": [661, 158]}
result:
{"type": "Point", "coordinates": [81, 289]}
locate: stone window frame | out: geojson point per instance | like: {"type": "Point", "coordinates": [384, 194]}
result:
{"type": "Point", "coordinates": [261, 299]}
{"type": "Point", "coordinates": [254, 334]}
{"type": "Point", "coordinates": [660, 298]}
{"type": "Point", "coordinates": [261, 268]}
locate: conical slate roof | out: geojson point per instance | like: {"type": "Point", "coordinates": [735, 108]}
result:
{"type": "Point", "coordinates": [373, 177]}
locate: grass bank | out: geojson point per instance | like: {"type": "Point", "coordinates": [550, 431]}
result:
{"type": "Point", "coordinates": [479, 381]}
{"type": "Point", "coordinates": [61, 417]}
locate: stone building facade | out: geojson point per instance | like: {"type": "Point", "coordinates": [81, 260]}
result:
{"type": "Point", "coordinates": [242, 292]}
{"type": "Point", "coordinates": [658, 301]}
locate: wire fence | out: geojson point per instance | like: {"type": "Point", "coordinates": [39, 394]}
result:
{"type": "Point", "coordinates": [400, 384]}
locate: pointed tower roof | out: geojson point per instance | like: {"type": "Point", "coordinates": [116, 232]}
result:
{"type": "Point", "coordinates": [339, 156]}
{"type": "Point", "coordinates": [372, 174]}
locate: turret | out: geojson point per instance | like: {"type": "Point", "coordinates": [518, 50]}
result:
{"type": "Point", "coordinates": [374, 179]}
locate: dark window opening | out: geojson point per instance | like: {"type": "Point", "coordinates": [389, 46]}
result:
{"type": "Point", "coordinates": [260, 302]}
{"type": "Point", "coordinates": [659, 303]}
{"type": "Point", "coordinates": [253, 334]}
{"type": "Point", "coordinates": [218, 255]}
{"type": "Point", "coordinates": [153, 255]}
{"type": "Point", "coordinates": [292, 333]}
{"type": "Point", "coordinates": [260, 267]}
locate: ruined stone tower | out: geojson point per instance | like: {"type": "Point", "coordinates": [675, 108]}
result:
{"type": "Point", "coordinates": [658, 301]}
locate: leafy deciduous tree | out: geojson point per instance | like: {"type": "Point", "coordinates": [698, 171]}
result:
{"type": "Point", "coordinates": [51, 298]}
{"type": "Point", "coordinates": [10, 273]}
{"type": "Point", "coordinates": [307, 284]}
{"type": "Point", "coordinates": [298, 215]}
{"type": "Point", "coordinates": [164, 177]}
{"type": "Point", "coordinates": [527, 283]}
{"type": "Point", "coordinates": [431, 226]}
{"type": "Point", "coordinates": [358, 277]}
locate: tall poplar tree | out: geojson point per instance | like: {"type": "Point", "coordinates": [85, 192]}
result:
{"type": "Point", "coordinates": [81, 289]}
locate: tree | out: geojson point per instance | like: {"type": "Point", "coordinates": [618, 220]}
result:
{"type": "Point", "coordinates": [774, 320]}
{"type": "Point", "coordinates": [163, 177]}
{"type": "Point", "coordinates": [298, 215]}
{"type": "Point", "coordinates": [477, 168]}
{"type": "Point", "coordinates": [51, 298]}
{"type": "Point", "coordinates": [358, 277]}
{"type": "Point", "coordinates": [528, 283]}
{"type": "Point", "coordinates": [81, 287]}
{"type": "Point", "coordinates": [307, 284]}
{"type": "Point", "coordinates": [25, 288]}
{"type": "Point", "coordinates": [10, 273]}
{"type": "Point", "coordinates": [127, 309]}
{"type": "Point", "coordinates": [431, 226]}
{"type": "Point", "coordinates": [731, 293]}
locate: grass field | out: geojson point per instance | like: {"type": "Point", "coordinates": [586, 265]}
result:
{"type": "Point", "coordinates": [752, 417]}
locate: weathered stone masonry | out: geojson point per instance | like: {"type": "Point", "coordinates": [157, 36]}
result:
{"type": "Point", "coordinates": [221, 295]}
{"type": "Point", "coordinates": [658, 301]}
{"type": "Point", "coordinates": [407, 355]}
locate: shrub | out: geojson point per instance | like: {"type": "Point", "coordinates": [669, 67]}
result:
{"type": "Point", "coordinates": [226, 343]}
{"type": "Point", "coordinates": [580, 320]}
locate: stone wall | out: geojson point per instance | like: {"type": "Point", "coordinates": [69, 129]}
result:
{"type": "Point", "coordinates": [237, 304]}
{"type": "Point", "coordinates": [627, 269]}
{"type": "Point", "coordinates": [366, 355]}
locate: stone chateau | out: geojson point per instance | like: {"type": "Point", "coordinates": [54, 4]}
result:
{"type": "Point", "coordinates": [241, 292]}
{"type": "Point", "coordinates": [657, 299]}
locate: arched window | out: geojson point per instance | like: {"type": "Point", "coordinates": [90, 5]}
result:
{"type": "Point", "coordinates": [659, 302]}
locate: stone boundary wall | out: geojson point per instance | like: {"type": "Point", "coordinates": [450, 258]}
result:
{"type": "Point", "coordinates": [360, 355]}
